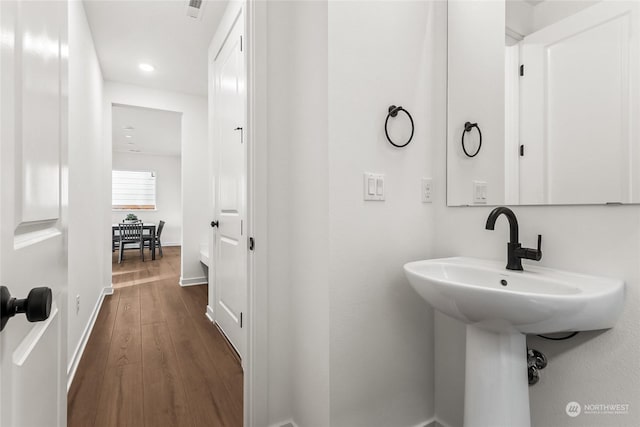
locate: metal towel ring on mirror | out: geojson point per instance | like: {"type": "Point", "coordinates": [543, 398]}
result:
{"type": "Point", "coordinates": [393, 112]}
{"type": "Point", "coordinates": [467, 128]}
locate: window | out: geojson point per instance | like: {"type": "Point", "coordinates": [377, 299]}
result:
{"type": "Point", "coordinates": [133, 190]}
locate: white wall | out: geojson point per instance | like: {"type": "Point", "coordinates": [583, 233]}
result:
{"type": "Point", "coordinates": [195, 188]}
{"type": "Point", "coordinates": [350, 341]}
{"type": "Point", "coordinates": [381, 340]}
{"type": "Point", "coordinates": [168, 197]}
{"type": "Point", "coordinates": [87, 275]}
{"type": "Point", "coordinates": [594, 367]}
{"type": "Point", "coordinates": [298, 214]}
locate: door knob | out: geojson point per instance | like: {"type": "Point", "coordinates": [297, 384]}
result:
{"type": "Point", "coordinates": [36, 306]}
{"type": "Point", "coordinates": [214, 224]}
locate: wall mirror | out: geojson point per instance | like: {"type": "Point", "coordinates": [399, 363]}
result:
{"type": "Point", "coordinates": [549, 91]}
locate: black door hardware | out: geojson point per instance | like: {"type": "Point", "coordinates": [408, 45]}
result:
{"type": "Point", "coordinates": [215, 224]}
{"type": "Point", "coordinates": [251, 243]}
{"type": "Point", "coordinates": [37, 305]}
{"type": "Point", "coordinates": [241, 134]}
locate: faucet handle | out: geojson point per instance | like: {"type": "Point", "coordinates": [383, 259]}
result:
{"type": "Point", "coordinates": [533, 254]}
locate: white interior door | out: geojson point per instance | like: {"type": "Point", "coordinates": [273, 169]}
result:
{"type": "Point", "coordinates": [579, 107]}
{"type": "Point", "coordinates": [33, 253]}
{"type": "Point", "coordinates": [230, 183]}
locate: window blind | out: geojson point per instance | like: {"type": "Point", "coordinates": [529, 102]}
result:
{"type": "Point", "coordinates": [133, 190]}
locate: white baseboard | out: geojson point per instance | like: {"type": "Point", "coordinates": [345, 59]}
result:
{"type": "Point", "coordinates": [193, 281]}
{"type": "Point", "coordinates": [209, 314]}
{"type": "Point", "coordinates": [167, 244]}
{"type": "Point", "coordinates": [291, 423]}
{"type": "Point", "coordinates": [77, 354]}
{"type": "Point", "coordinates": [431, 422]}
{"type": "Point", "coordinates": [288, 423]}
{"type": "Point", "coordinates": [438, 422]}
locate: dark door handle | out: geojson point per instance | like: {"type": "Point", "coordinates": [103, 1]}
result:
{"type": "Point", "coordinates": [37, 305]}
{"type": "Point", "coordinates": [215, 224]}
{"type": "Point", "coordinates": [241, 134]}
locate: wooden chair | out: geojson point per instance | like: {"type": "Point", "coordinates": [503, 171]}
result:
{"type": "Point", "coordinates": [130, 234]}
{"type": "Point", "coordinates": [147, 239]}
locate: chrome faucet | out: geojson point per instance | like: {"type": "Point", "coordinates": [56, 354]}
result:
{"type": "Point", "coordinates": [515, 252]}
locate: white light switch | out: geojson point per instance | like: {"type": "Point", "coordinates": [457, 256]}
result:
{"type": "Point", "coordinates": [373, 186]}
{"type": "Point", "coordinates": [379, 186]}
{"type": "Point", "coordinates": [427, 190]}
{"type": "Point", "coordinates": [479, 192]}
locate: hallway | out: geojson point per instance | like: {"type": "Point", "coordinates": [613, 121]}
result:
{"type": "Point", "coordinates": [153, 358]}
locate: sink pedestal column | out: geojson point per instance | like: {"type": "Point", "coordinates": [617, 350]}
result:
{"type": "Point", "coordinates": [496, 383]}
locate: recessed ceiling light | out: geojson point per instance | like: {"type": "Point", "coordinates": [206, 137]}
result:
{"type": "Point", "coordinates": [146, 67]}
{"type": "Point", "coordinates": [128, 128]}
{"type": "Point", "coordinates": [128, 136]}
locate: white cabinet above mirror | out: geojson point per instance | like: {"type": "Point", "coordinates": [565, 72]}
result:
{"type": "Point", "coordinates": [553, 87]}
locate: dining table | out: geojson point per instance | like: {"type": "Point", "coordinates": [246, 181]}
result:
{"type": "Point", "coordinates": [146, 226]}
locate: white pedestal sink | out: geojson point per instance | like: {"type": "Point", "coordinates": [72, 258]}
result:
{"type": "Point", "coordinates": [499, 307]}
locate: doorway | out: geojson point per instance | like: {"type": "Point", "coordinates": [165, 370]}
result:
{"type": "Point", "coordinates": [153, 358]}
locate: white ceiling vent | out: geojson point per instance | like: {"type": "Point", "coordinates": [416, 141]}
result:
{"type": "Point", "coordinates": [194, 9]}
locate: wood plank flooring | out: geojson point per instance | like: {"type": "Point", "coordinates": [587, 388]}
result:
{"type": "Point", "coordinates": [153, 358]}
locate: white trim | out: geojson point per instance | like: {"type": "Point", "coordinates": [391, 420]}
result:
{"type": "Point", "coordinates": [287, 423]}
{"type": "Point", "coordinates": [209, 313]}
{"type": "Point", "coordinates": [167, 244]}
{"type": "Point", "coordinates": [204, 255]}
{"type": "Point", "coordinates": [427, 423]}
{"type": "Point", "coordinates": [192, 281]}
{"type": "Point", "coordinates": [439, 422]}
{"type": "Point", "coordinates": [84, 338]}
{"type": "Point", "coordinates": [256, 409]}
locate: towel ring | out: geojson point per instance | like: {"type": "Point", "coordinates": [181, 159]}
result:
{"type": "Point", "coordinates": [467, 128]}
{"type": "Point", "coordinates": [393, 112]}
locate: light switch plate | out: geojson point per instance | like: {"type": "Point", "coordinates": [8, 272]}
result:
{"type": "Point", "coordinates": [427, 190]}
{"type": "Point", "coordinates": [479, 192]}
{"type": "Point", "coordinates": [374, 186]}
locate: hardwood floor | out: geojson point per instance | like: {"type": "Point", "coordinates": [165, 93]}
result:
{"type": "Point", "coordinates": [153, 358]}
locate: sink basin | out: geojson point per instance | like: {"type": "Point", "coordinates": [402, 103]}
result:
{"type": "Point", "coordinates": [499, 306]}
{"type": "Point", "coordinates": [535, 301]}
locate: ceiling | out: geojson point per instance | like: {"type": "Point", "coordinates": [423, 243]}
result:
{"type": "Point", "coordinates": [154, 131]}
{"type": "Point", "coordinates": [158, 32]}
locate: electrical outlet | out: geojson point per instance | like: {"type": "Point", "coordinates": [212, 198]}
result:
{"type": "Point", "coordinates": [77, 304]}
{"type": "Point", "coordinates": [479, 192]}
{"type": "Point", "coordinates": [427, 190]}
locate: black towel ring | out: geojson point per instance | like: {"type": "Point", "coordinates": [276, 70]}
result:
{"type": "Point", "coordinates": [467, 128]}
{"type": "Point", "coordinates": [393, 112]}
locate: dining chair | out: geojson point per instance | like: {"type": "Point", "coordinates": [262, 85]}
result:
{"type": "Point", "coordinates": [147, 239]}
{"type": "Point", "coordinates": [130, 233]}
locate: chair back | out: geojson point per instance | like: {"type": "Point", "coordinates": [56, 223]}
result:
{"type": "Point", "coordinates": [160, 227]}
{"type": "Point", "coordinates": [130, 232]}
